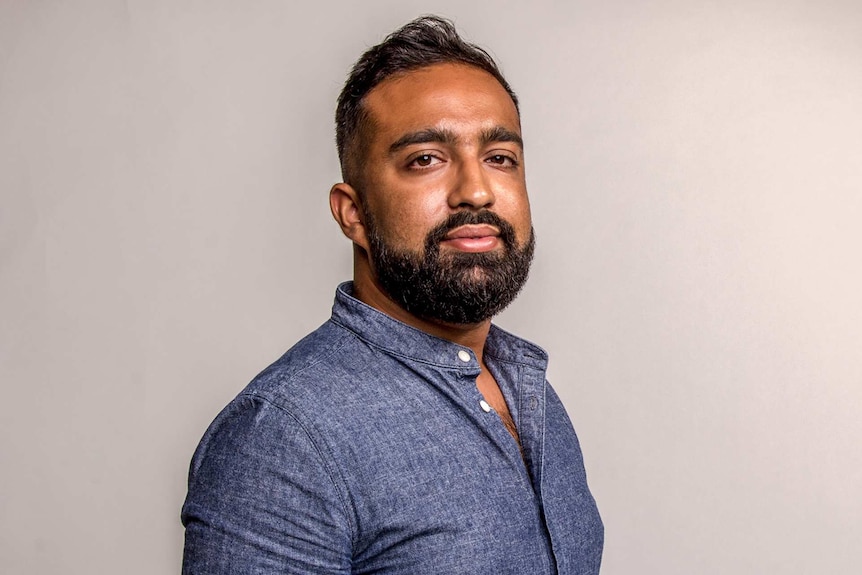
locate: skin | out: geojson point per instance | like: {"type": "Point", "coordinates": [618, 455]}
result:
{"type": "Point", "coordinates": [445, 138]}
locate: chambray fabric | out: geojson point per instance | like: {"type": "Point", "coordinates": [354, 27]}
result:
{"type": "Point", "coordinates": [364, 449]}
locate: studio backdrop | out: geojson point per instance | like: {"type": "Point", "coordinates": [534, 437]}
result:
{"type": "Point", "coordinates": [695, 173]}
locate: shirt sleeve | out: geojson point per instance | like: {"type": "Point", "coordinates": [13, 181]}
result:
{"type": "Point", "coordinates": [262, 498]}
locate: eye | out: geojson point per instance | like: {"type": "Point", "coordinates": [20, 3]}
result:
{"type": "Point", "coordinates": [423, 161]}
{"type": "Point", "coordinates": [504, 160]}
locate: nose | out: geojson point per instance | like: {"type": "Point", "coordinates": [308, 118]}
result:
{"type": "Point", "coordinates": [472, 187]}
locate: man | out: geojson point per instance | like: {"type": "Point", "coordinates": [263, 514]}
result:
{"type": "Point", "coordinates": [407, 435]}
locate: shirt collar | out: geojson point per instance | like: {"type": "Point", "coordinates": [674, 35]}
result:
{"type": "Point", "coordinates": [397, 338]}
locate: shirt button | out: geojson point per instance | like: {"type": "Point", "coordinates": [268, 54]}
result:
{"type": "Point", "coordinates": [484, 405]}
{"type": "Point", "coordinates": [463, 356]}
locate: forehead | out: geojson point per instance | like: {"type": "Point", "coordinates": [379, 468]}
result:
{"type": "Point", "coordinates": [455, 96]}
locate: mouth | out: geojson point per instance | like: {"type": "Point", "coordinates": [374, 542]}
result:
{"type": "Point", "coordinates": [473, 238]}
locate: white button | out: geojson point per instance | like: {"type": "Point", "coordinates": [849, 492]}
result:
{"type": "Point", "coordinates": [484, 405]}
{"type": "Point", "coordinates": [463, 356]}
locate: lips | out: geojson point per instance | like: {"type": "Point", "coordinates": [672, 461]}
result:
{"type": "Point", "coordinates": [469, 231]}
{"type": "Point", "coordinates": [474, 231]}
{"type": "Point", "coordinates": [473, 238]}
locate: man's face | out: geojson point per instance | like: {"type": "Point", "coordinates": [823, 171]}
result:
{"type": "Point", "coordinates": [445, 199]}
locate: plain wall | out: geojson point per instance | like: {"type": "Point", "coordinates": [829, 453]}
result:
{"type": "Point", "coordinates": [695, 170]}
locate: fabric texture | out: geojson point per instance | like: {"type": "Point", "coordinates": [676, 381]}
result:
{"type": "Point", "coordinates": [365, 449]}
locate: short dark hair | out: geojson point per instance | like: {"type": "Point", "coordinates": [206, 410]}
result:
{"type": "Point", "coordinates": [425, 41]}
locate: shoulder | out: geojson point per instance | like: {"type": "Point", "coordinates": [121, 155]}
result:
{"type": "Point", "coordinates": [318, 363]}
{"type": "Point", "coordinates": [319, 384]}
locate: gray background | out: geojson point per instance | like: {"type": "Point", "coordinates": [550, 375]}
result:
{"type": "Point", "coordinates": [695, 171]}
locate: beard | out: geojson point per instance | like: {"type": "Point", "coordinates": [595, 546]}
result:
{"type": "Point", "coordinates": [457, 287]}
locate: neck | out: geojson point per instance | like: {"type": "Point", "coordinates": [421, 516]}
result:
{"type": "Point", "coordinates": [473, 336]}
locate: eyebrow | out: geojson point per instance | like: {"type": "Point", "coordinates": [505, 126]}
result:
{"type": "Point", "coordinates": [425, 136]}
{"type": "Point", "coordinates": [442, 135]}
{"type": "Point", "coordinates": [501, 134]}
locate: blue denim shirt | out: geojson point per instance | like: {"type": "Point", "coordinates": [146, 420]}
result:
{"type": "Point", "coordinates": [365, 449]}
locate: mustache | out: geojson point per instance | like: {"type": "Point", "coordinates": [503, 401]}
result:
{"type": "Point", "coordinates": [464, 218]}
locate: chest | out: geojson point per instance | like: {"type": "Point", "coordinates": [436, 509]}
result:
{"type": "Point", "coordinates": [435, 483]}
{"type": "Point", "coordinates": [449, 496]}
{"type": "Point", "coordinates": [438, 485]}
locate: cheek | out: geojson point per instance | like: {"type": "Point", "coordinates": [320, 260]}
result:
{"type": "Point", "coordinates": [516, 210]}
{"type": "Point", "coordinates": [523, 230]}
{"type": "Point", "coordinates": [406, 222]}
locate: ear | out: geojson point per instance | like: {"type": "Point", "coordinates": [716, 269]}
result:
{"type": "Point", "coordinates": [346, 207]}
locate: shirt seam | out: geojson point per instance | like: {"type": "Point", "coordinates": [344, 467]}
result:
{"type": "Point", "coordinates": [323, 453]}
{"type": "Point", "coordinates": [280, 402]}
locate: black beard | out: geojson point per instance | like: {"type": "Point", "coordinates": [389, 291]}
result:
{"type": "Point", "coordinates": [458, 288]}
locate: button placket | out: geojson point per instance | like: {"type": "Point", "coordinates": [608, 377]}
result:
{"type": "Point", "coordinates": [465, 356]}
{"type": "Point", "coordinates": [532, 423]}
